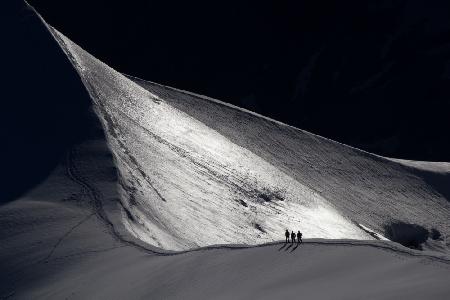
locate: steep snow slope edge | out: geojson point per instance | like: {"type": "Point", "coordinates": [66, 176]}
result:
{"type": "Point", "coordinates": [195, 171]}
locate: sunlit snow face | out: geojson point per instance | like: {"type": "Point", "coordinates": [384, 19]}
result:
{"type": "Point", "coordinates": [186, 185]}
{"type": "Point", "coordinates": [195, 171]}
{"type": "Point", "coordinates": [195, 187]}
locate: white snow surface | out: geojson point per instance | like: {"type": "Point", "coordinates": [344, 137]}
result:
{"type": "Point", "coordinates": [195, 171]}
{"type": "Point", "coordinates": [58, 243]}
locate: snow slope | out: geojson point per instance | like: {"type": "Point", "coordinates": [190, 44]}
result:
{"type": "Point", "coordinates": [57, 244]}
{"type": "Point", "coordinates": [195, 171]}
{"type": "Point", "coordinates": [78, 236]}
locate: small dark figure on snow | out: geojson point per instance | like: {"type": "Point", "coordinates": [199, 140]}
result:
{"type": "Point", "coordinates": [286, 234]}
{"type": "Point", "coordinates": [299, 237]}
{"type": "Point", "coordinates": [293, 237]}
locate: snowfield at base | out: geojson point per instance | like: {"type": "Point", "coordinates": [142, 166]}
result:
{"type": "Point", "coordinates": [178, 196]}
{"type": "Point", "coordinates": [61, 247]}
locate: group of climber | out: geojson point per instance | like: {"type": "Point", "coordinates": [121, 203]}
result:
{"type": "Point", "coordinates": [293, 235]}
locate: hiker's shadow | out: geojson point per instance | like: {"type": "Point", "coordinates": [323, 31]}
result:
{"type": "Point", "coordinates": [293, 249]}
{"type": "Point", "coordinates": [288, 247]}
{"type": "Point", "coordinates": [282, 247]}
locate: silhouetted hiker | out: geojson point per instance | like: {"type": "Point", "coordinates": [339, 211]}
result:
{"type": "Point", "coordinates": [293, 237]}
{"type": "Point", "coordinates": [286, 234]}
{"type": "Point", "coordinates": [299, 237]}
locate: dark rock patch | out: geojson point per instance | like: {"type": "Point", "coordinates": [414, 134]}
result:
{"type": "Point", "coordinates": [264, 197]}
{"type": "Point", "coordinates": [435, 234]}
{"type": "Point", "coordinates": [267, 195]}
{"type": "Point", "coordinates": [257, 226]}
{"type": "Point", "coordinates": [409, 235]}
{"type": "Point", "coordinates": [128, 213]}
{"type": "Point", "coordinates": [243, 203]}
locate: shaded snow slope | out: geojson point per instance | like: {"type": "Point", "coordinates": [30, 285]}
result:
{"type": "Point", "coordinates": [57, 244]}
{"type": "Point", "coordinates": [195, 171]}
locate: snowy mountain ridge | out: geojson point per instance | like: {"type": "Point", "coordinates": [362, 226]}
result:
{"type": "Point", "coordinates": [195, 171]}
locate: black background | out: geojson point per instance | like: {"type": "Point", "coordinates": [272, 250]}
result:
{"type": "Point", "coordinates": [371, 74]}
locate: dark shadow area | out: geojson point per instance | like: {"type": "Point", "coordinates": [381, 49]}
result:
{"type": "Point", "coordinates": [288, 247]}
{"type": "Point", "coordinates": [439, 181]}
{"type": "Point", "coordinates": [44, 103]}
{"type": "Point", "coordinates": [408, 235]}
{"type": "Point", "coordinates": [295, 248]}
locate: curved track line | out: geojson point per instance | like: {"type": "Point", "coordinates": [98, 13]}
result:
{"type": "Point", "coordinates": [67, 234]}
{"type": "Point", "coordinates": [95, 197]}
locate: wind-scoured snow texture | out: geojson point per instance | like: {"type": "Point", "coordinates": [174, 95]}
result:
{"type": "Point", "coordinates": [195, 171]}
